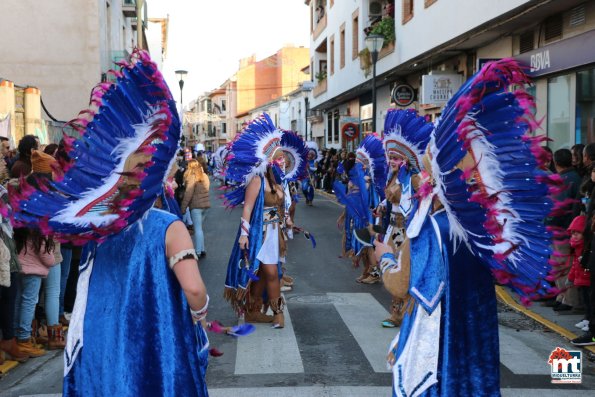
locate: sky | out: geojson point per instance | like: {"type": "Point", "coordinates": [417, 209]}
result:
{"type": "Point", "coordinates": [209, 37]}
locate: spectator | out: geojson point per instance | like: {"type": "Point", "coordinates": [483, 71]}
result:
{"type": "Point", "coordinates": [579, 276]}
{"type": "Point", "coordinates": [561, 221]}
{"type": "Point", "coordinates": [196, 198]}
{"type": "Point", "coordinates": [22, 167]}
{"type": "Point", "coordinates": [577, 159]}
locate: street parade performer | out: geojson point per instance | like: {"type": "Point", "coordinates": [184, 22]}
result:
{"type": "Point", "coordinates": [136, 325]}
{"type": "Point", "coordinates": [479, 219]}
{"type": "Point", "coordinates": [367, 181]}
{"type": "Point", "coordinates": [308, 184]}
{"type": "Point", "coordinates": [256, 161]}
{"type": "Point", "coordinates": [406, 136]}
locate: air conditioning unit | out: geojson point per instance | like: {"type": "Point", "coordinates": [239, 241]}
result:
{"type": "Point", "coordinates": [375, 8]}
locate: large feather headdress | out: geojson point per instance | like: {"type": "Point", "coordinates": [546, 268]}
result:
{"type": "Point", "coordinates": [370, 154]}
{"type": "Point", "coordinates": [406, 134]}
{"type": "Point", "coordinates": [296, 156]}
{"type": "Point", "coordinates": [313, 147]}
{"type": "Point", "coordinates": [250, 154]}
{"type": "Point", "coordinates": [487, 169]}
{"type": "Point", "coordinates": [130, 132]}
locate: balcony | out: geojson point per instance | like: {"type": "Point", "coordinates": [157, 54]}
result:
{"type": "Point", "coordinates": [320, 26]}
{"type": "Point", "coordinates": [129, 8]}
{"type": "Point", "coordinates": [320, 88]}
{"type": "Point", "coordinates": [315, 116]}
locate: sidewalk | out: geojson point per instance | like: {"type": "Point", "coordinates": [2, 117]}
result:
{"type": "Point", "coordinates": [562, 324]}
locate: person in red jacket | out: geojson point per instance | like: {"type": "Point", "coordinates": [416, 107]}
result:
{"type": "Point", "coordinates": [579, 276]}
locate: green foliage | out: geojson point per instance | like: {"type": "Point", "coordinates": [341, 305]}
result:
{"type": "Point", "coordinates": [321, 75]}
{"type": "Point", "coordinates": [386, 28]}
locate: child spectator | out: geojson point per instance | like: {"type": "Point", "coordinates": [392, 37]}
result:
{"type": "Point", "coordinates": [579, 276]}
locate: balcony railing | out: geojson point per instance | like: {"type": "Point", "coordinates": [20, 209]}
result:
{"type": "Point", "coordinates": [319, 88]}
{"type": "Point", "coordinates": [320, 26]}
{"type": "Point", "coordinates": [129, 8]}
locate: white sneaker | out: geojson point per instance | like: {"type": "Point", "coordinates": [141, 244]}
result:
{"type": "Point", "coordinates": [585, 328]}
{"type": "Point", "coordinates": [581, 324]}
{"type": "Point", "coordinates": [286, 288]}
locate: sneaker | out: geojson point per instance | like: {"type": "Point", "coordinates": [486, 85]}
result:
{"type": "Point", "coordinates": [584, 340]}
{"type": "Point", "coordinates": [364, 237]}
{"type": "Point", "coordinates": [27, 347]}
{"type": "Point", "coordinates": [286, 288]}
{"type": "Point", "coordinates": [581, 324]}
{"type": "Point", "coordinates": [585, 328]}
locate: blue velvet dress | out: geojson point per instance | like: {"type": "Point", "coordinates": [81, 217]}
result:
{"type": "Point", "coordinates": [448, 344]}
{"type": "Point", "coordinates": [139, 339]}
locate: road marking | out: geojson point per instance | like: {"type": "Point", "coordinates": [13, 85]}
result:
{"type": "Point", "coordinates": [269, 351]}
{"type": "Point", "coordinates": [544, 393]}
{"type": "Point", "coordinates": [520, 358]}
{"type": "Point", "coordinates": [362, 314]}
{"type": "Point", "coordinates": [310, 391]}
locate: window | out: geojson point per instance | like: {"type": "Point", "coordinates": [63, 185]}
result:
{"type": "Point", "coordinates": [224, 128]}
{"type": "Point", "coordinates": [407, 11]}
{"type": "Point", "coordinates": [342, 48]}
{"type": "Point", "coordinates": [553, 27]}
{"type": "Point", "coordinates": [355, 35]}
{"type": "Point", "coordinates": [558, 112]}
{"type": "Point", "coordinates": [585, 106]}
{"type": "Point", "coordinates": [527, 41]}
{"type": "Point", "coordinates": [223, 105]}
{"type": "Point", "coordinates": [332, 71]}
{"type": "Point", "coordinates": [428, 3]}
{"type": "Point", "coordinates": [329, 127]}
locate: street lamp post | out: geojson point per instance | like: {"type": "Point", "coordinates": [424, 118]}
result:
{"type": "Point", "coordinates": [374, 44]}
{"type": "Point", "coordinates": [181, 74]}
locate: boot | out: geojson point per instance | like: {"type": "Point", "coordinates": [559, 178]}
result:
{"type": "Point", "coordinates": [27, 347]}
{"type": "Point", "coordinates": [42, 335]}
{"type": "Point", "coordinates": [254, 313]}
{"type": "Point", "coordinates": [64, 321]}
{"type": "Point", "coordinates": [56, 337]}
{"type": "Point", "coordinates": [10, 347]}
{"type": "Point", "coordinates": [277, 308]}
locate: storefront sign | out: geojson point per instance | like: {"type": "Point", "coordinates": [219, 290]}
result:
{"type": "Point", "coordinates": [403, 95]}
{"type": "Point", "coordinates": [562, 55]}
{"type": "Point", "coordinates": [437, 89]}
{"type": "Point", "coordinates": [350, 131]}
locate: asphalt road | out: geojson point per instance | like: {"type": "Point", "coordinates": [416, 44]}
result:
{"type": "Point", "coordinates": [333, 344]}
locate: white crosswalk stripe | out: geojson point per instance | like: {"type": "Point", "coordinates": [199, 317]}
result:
{"type": "Point", "coordinates": [361, 313]}
{"type": "Point", "coordinates": [269, 351]}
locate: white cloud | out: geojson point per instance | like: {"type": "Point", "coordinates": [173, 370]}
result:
{"type": "Point", "coordinates": [208, 38]}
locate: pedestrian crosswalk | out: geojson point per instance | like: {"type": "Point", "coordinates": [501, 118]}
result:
{"type": "Point", "coordinates": [275, 362]}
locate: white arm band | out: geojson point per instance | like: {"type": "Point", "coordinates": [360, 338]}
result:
{"type": "Point", "coordinates": [182, 255]}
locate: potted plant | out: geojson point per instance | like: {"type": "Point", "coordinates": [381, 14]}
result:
{"type": "Point", "coordinates": [386, 28]}
{"type": "Point", "coordinates": [320, 76]}
{"type": "Point", "coordinates": [365, 61]}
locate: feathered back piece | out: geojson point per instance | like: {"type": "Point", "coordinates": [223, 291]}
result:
{"type": "Point", "coordinates": [406, 134]}
{"type": "Point", "coordinates": [371, 155]}
{"type": "Point", "coordinates": [486, 164]}
{"type": "Point", "coordinates": [220, 160]}
{"type": "Point", "coordinates": [296, 156]}
{"type": "Point", "coordinates": [313, 147]}
{"type": "Point", "coordinates": [131, 132]}
{"type": "Point", "coordinates": [249, 156]}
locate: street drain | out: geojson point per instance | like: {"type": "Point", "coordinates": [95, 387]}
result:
{"type": "Point", "coordinates": [315, 299]}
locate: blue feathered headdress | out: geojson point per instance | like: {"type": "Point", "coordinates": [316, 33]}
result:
{"type": "Point", "coordinates": [407, 135]}
{"type": "Point", "coordinates": [296, 154]}
{"type": "Point", "coordinates": [485, 162]}
{"type": "Point", "coordinates": [250, 154]}
{"type": "Point", "coordinates": [313, 147]}
{"type": "Point", "coordinates": [370, 154]}
{"type": "Point", "coordinates": [131, 120]}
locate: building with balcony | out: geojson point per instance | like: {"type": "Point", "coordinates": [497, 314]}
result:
{"type": "Point", "coordinates": [432, 46]}
{"type": "Point", "coordinates": [65, 48]}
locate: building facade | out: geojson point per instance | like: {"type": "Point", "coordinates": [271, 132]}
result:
{"type": "Point", "coordinates": [432, 46]}
{"type": "Point", "coordinates": [66, 48]}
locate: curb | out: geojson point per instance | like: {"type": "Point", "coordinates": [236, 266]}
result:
{"type": "Point", "coordinates": [508, 300]}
